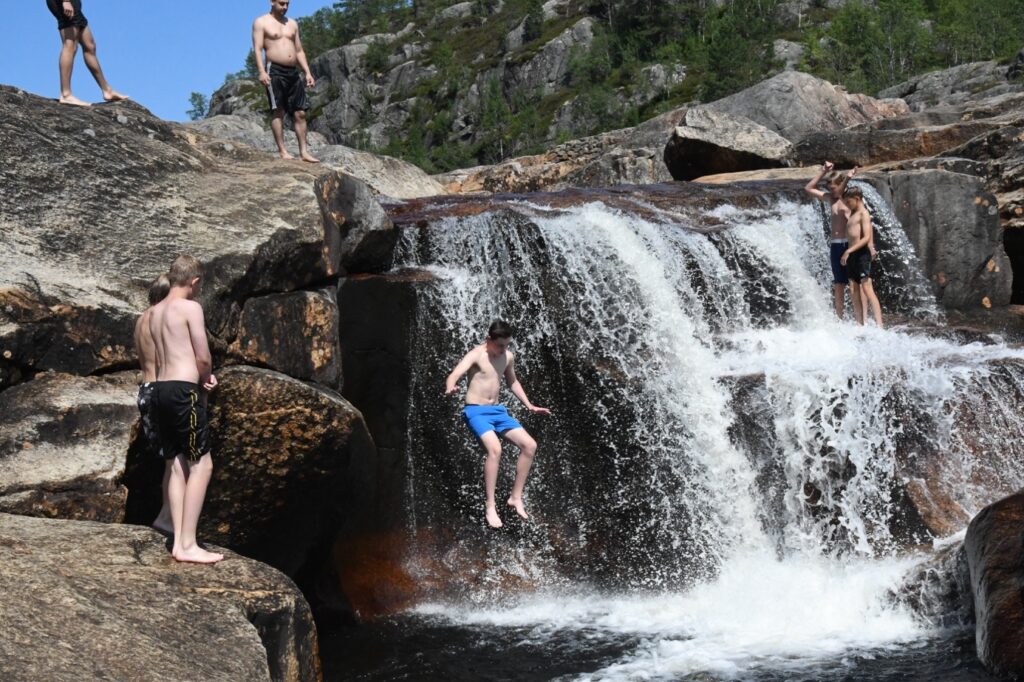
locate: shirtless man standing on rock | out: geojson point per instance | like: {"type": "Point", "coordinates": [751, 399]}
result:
{"type": "Point", "coordinates": [840, 213]}
{"type": "Point", "coordinates": [185, 371]}
{"type": "Point", "coordinates": [486, 364]}
{"type": "Point", "coordinates": [286, 74]}
{"type": "Point", "coordinates": [74, 31]}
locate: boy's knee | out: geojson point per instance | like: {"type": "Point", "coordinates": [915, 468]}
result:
{"type": "Point", "coordinates": [299, 115]}
{"type": "Point", "coordinates": [529, 448]}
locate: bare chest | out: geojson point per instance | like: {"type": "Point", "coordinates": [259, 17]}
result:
{"type": "Point", "coordinates": [274, 31]}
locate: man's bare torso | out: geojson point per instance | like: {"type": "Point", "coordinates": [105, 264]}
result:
{"type": "Point", "coordinates": [279, 39]}
{"type": "Point", "coordinates": [172, 340]}
{"type": "Point", "coordinates": [840, 216]}
{"type": "Point", "coordinates": [145, 347]}
{"type": "Point", "coordinates": [485, 377]}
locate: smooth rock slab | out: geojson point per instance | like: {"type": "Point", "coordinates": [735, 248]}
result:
{"type": "Point", "coordinates": [91, 601]}
{"type": "Point", "coordinates": [63, 443]}
{"type": "Point", "coordinates": [709, 142]}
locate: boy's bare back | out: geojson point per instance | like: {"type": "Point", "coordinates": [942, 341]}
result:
{"type": "Point", "coordinates": [179, 335]}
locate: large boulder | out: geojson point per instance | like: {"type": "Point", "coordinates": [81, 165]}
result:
{"type": "Point", "coordinates": [294, 333]}
{"type": "Point", "coordinates": [955, 85]}
{"type": "Point", "coordinates": [350, 208]}
{"type": "Point", "coordinates": [795, 104]}
{"type": "Point", "coordinates": [709, 142]}
{"type": "Point", "coordinates": [92, 601]}
{"type": "Point", "coordinates": [240, 97]}
{"type": "Point", "coordinates": [1001, 152]}
{"type": "Point", "coordinates": [76, 180]}
{"type": "Point", "coordinates": [995, 555]}
{"type": "Point", "coordinates": [63, 443]}
{"type": "Point", "coordinates": [293, 465]}
{"type": "Point", "coordinates": [545, 72]}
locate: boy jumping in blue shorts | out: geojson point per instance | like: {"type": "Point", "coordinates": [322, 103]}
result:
{"type": "Point", "coordinates": [486, 364]}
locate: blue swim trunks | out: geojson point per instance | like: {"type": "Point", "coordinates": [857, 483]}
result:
{"type": "Point", "coordinates": [483, 418]}
{"type": "Point", "coordinates": [839, 275]}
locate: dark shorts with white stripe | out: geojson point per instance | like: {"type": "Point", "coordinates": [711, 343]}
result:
{"type": "Point", "coordinates": [181, 418]}
{"type": "Point", "coordinates": [287, 89]}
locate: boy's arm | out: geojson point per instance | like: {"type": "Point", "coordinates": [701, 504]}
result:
{"type": "Point", "coordinates": [464, 366]}
{"type": "Point", "coordinates": [846, 180]}
{"type": "Point", "coordinates": [517, 388]}
{"type": "Point", "coordinates": [197, 332]}
{"type": "Point", "coordinates": [812, 186]}
{"type": "Point", "coordinates": [300, 54]}
{"type": "Point", "coordinates": [257, 49]}
{"type": "Point", "coordinates": [865, 237]}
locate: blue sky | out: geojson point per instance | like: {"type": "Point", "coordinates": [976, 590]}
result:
{"type": "Point", "coordinates": [157, 51]}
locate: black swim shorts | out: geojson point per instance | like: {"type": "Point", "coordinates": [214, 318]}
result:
{"type": "Point", "coordinates": [181, 416]}
{"type": "Point", "coordinates": [78, 21]}
{"type": "Point", "coordinates": [287, 89]}
{"type": "Point", "coordinates": [858, 265]}
{"type": "Point", "coordinates": [147, 409]}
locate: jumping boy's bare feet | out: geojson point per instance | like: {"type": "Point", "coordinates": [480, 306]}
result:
{"type": "Point", "coordinates": [114, 96]}
{"type": "Point", "coordinates": [492, 517]}
{"type": "Point", "coordinates": [196, 555]}
{"type": "Point", "coordinates": [309, 158]}
{"type": "Point", "coordinates": [71, 99]}
{"type": "Point", "coordinates": [518, 506]}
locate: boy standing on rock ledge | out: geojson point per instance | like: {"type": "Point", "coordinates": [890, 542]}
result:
{"type": "Point", "coordinates": [74, 31]}
{"type": "Point", "coordinates": [857, 257]}
{"type": "Point", "coordinates": [286, 84]}
{"type": "Point", "coordinates": [486, 364]}
{"type": "Point", "coordinates": [840, 215]}
{"type": "Point", "coordinates": [184, 372]}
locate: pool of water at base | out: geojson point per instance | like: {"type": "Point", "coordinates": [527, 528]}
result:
{"type": "Point", "coordinates": [417, 647]}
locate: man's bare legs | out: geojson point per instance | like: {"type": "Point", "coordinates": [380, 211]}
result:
{"type": "Point", "coordinates": [69, 48]}
{"type": "Point", "coordinates": [839, 294]}
{"type": "Point", "coordinates": [527, 449]}
{"type": "Point", "coordinates": [164, 522]}
{"type": "Point", "coordinates": [93, 62]}
{"type": "Point", "coordinates": [492, 458]}
{"type": "Point", "coordinates": [868, 291]}
{"type": "Point", "coordinates": [186, 491]}
{"type": "Point", "coordinates": [277, 125]}
{"type": "Point", "coordinates": [299, 118]}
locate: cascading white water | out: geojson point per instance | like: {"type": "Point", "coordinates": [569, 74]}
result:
{"type": "Point", "coordinates": [778, 550]}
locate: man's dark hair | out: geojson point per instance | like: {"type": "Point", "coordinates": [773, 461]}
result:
{"type": "Point", "coordinates": [499, 330]}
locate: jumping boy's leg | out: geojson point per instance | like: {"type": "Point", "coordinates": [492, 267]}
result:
{"type": "Point", "coordinates": [69, 48]}
{"type": "Point", "coordinates": [492, 446]}
{"type": "Point", "coordinates": [197, 479]}
{"type": "Point", "coordinates": [871, 299]}
{"type": "Point", "coordinates": [164, 522]}
{"type": "Point", "coordinates": [277, 125]}
{"type": "Point", "coordinates": [93, 62]}
{"type": "Point", "coordinates": [839, 294]}
{"type": "Point", "coordinates": [299, 117]}
{"type": "Point", "coordinates": [527, 449]}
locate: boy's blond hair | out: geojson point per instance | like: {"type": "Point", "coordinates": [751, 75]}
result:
{"type": "Point", "coordinates": [183, 270]}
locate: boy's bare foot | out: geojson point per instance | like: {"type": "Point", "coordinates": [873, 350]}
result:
{"type": "Point", "coordinates": [71, 99]}
{"type": "Point", "coordinates": [492, 517]}
{"type": "Point", "coordinates": [309, 158]}
{"type": "Point", "coordinates": [196, 555]}
{"type": "Point", "coordinates": [114, 96]}
{"type": "Point", "coordinates": [286, 156]}
{"type": "Point", "coordinates": [518, 505]}
{"type": "Point", "coordinates": [162, 525]}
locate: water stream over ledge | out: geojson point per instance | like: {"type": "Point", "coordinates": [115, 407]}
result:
{"type": "Point", "coordinates": [734, 485]}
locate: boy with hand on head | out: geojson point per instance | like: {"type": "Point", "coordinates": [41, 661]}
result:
{"type": "Point", "coordinates": [488, 420]}
{"type": "Point", "coordinates": [840, 214]}
{"type": "Point", "coordinates": [185, 370]}
{"type": "Point", "coordinates": [857, 257]}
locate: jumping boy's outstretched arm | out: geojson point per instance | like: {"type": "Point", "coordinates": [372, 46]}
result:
{"type": "Point", "coordinates": [464, 366]}
{"type": "Point", "coordinates": [812, 186]}
{"type": "Point", "coordinates": [517, 388]}
{"type": "Point", "coordinates": [846, 179]}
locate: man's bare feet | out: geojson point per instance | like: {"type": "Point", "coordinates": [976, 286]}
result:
{"type": "Point", "coordinates": [492, 517]}
{"type": "Point", "coordinates": [286, 156]}
{"type": "Point", "coordinates": [114, 96]}
{"type": "Point", "coordinates": [518, 506]}
{"type": "Point", "coordinates": [196, 555]}
{"type": "Point", "coordinates": [71, 99]}
{"type": "Point", "coordinates": [309, 158]}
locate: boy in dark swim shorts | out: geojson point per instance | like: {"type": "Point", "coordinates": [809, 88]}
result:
{"type": "Point", "coordinates": [487, 364]}
{"type": "Point", "coordinates": [857, 257]}
{"type": "Point", "coordinates": [74, 31]}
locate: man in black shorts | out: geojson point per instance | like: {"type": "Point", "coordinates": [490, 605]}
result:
{"type": "Point", "coordinates": [74, 30]}
{"type": "Point", "coordinates": [286, 74]}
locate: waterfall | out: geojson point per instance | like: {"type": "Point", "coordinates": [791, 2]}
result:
{"type": "Point", "coordinates": [731, 474]}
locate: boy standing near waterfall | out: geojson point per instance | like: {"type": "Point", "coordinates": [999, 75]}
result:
{"type": "Point", "coordinates": [857, 257]}
{"type": "Point", "coordinates": [840, 214]}
{"type": "Point", "coordinates": [488, 420]}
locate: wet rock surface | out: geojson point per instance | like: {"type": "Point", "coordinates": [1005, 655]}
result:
{"type": "Point", "coordinates": [63, 444]}
{"type": "Point", "coordinates": [709, 142]}
{"type": "Point", "coordinates": [98, 601]}
{"type": "Point", "coordinates": [995, 554]}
